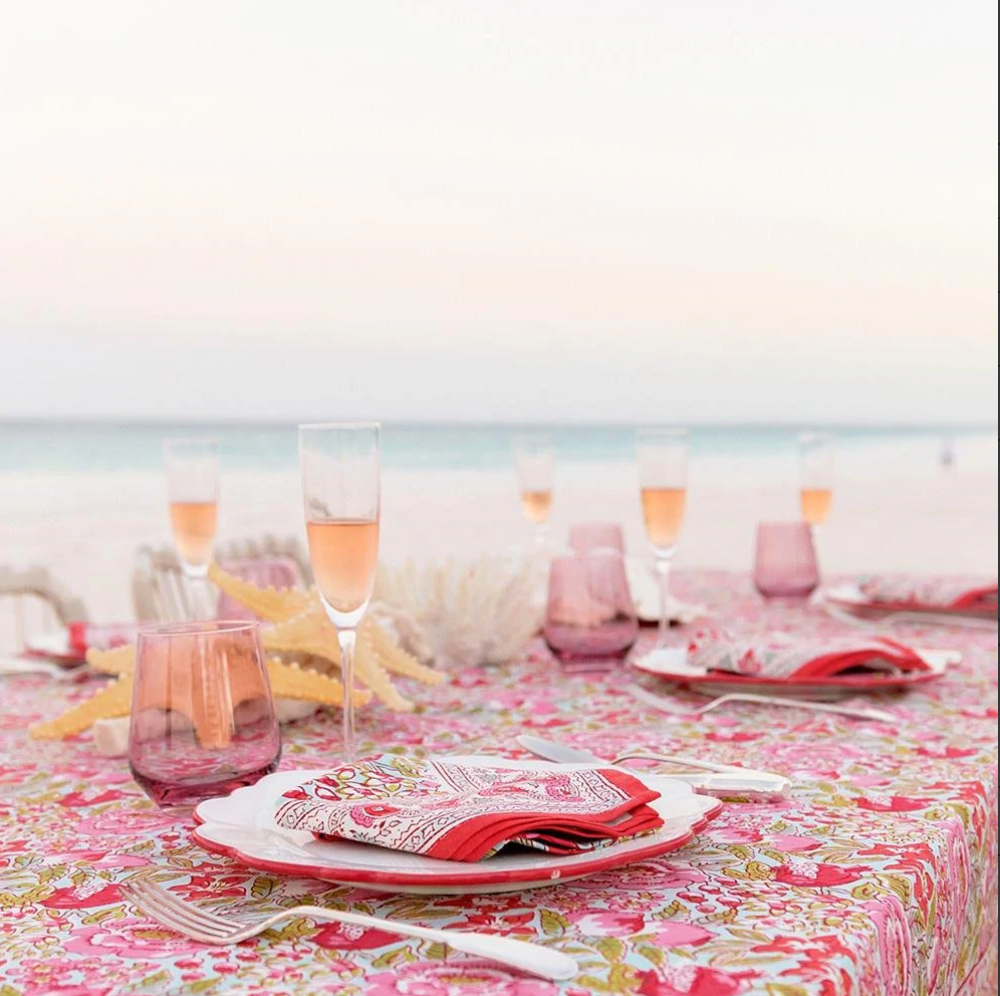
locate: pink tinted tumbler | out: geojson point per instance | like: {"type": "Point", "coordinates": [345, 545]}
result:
{"type": "Point", "coordinates": [785, 563]}
{"type": "Point", "coordinates": [590, 612]}
{"type": "Point", "coordinates": [203, 719]}
{"type": "Point", "coordinates": [585, 537]}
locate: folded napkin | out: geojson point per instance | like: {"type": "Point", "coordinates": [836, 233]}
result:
{"type": "Point", "coordinates": [941, 593]}
{"type": "Point", "coordinates": [463, 812]}
{"type": "Point", "coordinates": [780, 657]}
{"type": "Point", "coordinates": [84, 636]}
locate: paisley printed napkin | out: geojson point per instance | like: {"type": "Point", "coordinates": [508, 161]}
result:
{"type": "Point", "coordinates": [778, 657]}
{"type": "Point", "coordinates": [934, 593]}
{"type": "Point", "coordinates": [464, 812]}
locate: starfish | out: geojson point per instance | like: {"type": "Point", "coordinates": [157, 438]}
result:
{"type": "Point", "coordinates": [302, 640]}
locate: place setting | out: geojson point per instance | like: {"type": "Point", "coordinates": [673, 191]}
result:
{"type": "Point", "coordinates": [610, 770]}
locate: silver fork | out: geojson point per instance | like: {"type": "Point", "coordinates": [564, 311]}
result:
{"type": "Point", "coordinates": [192, 921]}
{"type": "Point", "coordinates": [679, 709]}
{"type": "Point", "coordinates": [913, 618]}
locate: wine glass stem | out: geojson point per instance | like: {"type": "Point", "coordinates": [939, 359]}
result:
{"type": "Point", "coordinates": [347, 639]}
{"type": "Point", "coordinates": [663, 576]}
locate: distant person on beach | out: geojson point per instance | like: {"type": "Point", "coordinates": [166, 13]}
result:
{"type": "Point", "coordinates": [947, 457]}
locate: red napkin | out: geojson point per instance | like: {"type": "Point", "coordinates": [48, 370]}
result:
{"type": "Point", "coordinates": [463, 812]}
{"type": "Point", "coordinates": [939, 593]}
{"type": "Point", "coordinates": [84, 635]}
{"type": "Point", "coordinates": [778, 657]}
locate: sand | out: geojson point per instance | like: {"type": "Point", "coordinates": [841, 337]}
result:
{"type": "Point", "coordinates": [920, 519]}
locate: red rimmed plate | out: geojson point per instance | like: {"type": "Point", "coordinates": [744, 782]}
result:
{"type": "Point", "coordinates": [848, 597]}
{"type": "Point", "coordinates": [55, 647]}
{"type": "Point", "coordinates": [670, 664]}
{"type": "Point", "coordinates": [241, 826]}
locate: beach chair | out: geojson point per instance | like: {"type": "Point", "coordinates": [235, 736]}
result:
{"type": "Point", "coordinates": [34, 605]}
{"type": "Point", "coordinates": [161, 592]}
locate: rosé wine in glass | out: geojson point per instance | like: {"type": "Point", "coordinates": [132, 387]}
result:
{"type": "Point", "coordinates": [341, 493]}
{"type": "Point", "coordinates": [193, 524]}
{"type": "Point", "coordinates": [536, 506]}
{"type": "Point", "coordinates": [663, 515]}
{"type": "Point", "coordinates": [344, 555]}
{"type": "Point", "coordinates": [534, 456]}
{"type": "Point", "coordinates": [663, 460]}
{"type": "Point", "coordinates": [192, 467]}
{"type": "Point", "coordinates": [817, 457]}
{"type": "Point", "coordinates": [816, 505]}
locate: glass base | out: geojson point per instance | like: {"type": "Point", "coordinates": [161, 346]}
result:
{"type": "Point", "coordinates": [801, 591]}
{"type": "Point", "coordinates": [177, 794]}
{"type": "Point", "coordinates": [607, 642]}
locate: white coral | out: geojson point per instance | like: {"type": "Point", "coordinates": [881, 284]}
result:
{"type": "Point", "coordinates": [472, 612]}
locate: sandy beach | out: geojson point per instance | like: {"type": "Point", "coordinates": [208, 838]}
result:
{"type": "Point", "coordinates": [86, 528]}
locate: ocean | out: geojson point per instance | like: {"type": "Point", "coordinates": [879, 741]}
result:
{"type": "Point", "coordinates": [86, 447]}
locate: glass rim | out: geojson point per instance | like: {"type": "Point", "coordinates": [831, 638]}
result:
{"type": "Point", "coordinates": [816, 436]}
{"type": "Point", "coordinates": [312, 426]}
{"type": "Point", "coordinates": [595, 552]}
{"type": "Point", "coordinates": [199, 627]}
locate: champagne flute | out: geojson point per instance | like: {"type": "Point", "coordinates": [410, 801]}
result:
{"type": "Point", "coordinates": [663, 459]}
{"type": "Point", "coordinates": [816, 461]}
{"type": "Point", "coordinates": [192, 468]}
{"type": "Point", "coordinates": [340, 488]}
{"type": "Point", "coordinates": [535, 458]}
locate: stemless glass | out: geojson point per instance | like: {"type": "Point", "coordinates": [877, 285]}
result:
{"type": "Point", "coordinates": [816, 461]}
{"type": "Point", "coordinates": [585, 537]}
{"type": "Point", "coordinates": [203, 720]}
{"type": "Point", "coordinates": [535, 457]}
{"type": "Point", "coordinates": [663, 460]}
{"type": "Point", "coordinates": [590, 612]}
{"type": "Point", "coordinates": [340, 488]}
{"type": "Point", "coordinates": [785, 560]}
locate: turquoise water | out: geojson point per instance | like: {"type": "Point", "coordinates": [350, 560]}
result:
{"type": "Point", "coordinates": [89, 447]}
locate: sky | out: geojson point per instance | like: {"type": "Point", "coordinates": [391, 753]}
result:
{"type": "Point", "coordinates": [727, 211]}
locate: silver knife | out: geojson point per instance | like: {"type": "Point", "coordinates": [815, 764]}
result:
{"type": "Point", "coordinates": [722, 780]}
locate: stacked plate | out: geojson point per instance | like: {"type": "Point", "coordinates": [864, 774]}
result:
{"type": "Point", "coordinates": [241, 825]}
{"type": "Point", "coordinates": [671, 664]}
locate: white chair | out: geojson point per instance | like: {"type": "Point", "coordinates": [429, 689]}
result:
{"type": "Point", "coordinates": [39, 604]}
{"type": "Point", "coordinates": [162, 593]}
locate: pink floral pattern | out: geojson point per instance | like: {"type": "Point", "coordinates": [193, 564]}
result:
{"type": "Point", "coordinates": [878, 874]}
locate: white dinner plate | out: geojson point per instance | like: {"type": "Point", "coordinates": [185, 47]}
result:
{"type": "Point", "coordinates": [848, 596]}
{"type": "Point", "coordinates": [670, 664]}
{"type": "Point", "coordinates": [242, 826]}
{"type": "Point", "coordinates": [54, 647]}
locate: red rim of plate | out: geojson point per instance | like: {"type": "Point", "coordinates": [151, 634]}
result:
{"type": "Point", "coordinates": [362, 876]}
{"type": "Point", "coordinates": [38, 654]}
{"type": "Point", "coordinates": [845, 681]}
{"type": "Point", "coordinates": [889, 608]}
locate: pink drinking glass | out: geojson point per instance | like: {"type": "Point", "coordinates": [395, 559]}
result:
{"type": "Point", "coordinates": [785, 562]}
{"type": "Point", "coordinates": [588, 536]}
{"type": "Point", "coordinates": [590, 612]}
{"type": "Point", "coordinates": [203, 719]}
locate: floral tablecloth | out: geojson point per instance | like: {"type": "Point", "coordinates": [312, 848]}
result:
{"type": "Point", "coordinates": [877, 876]}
